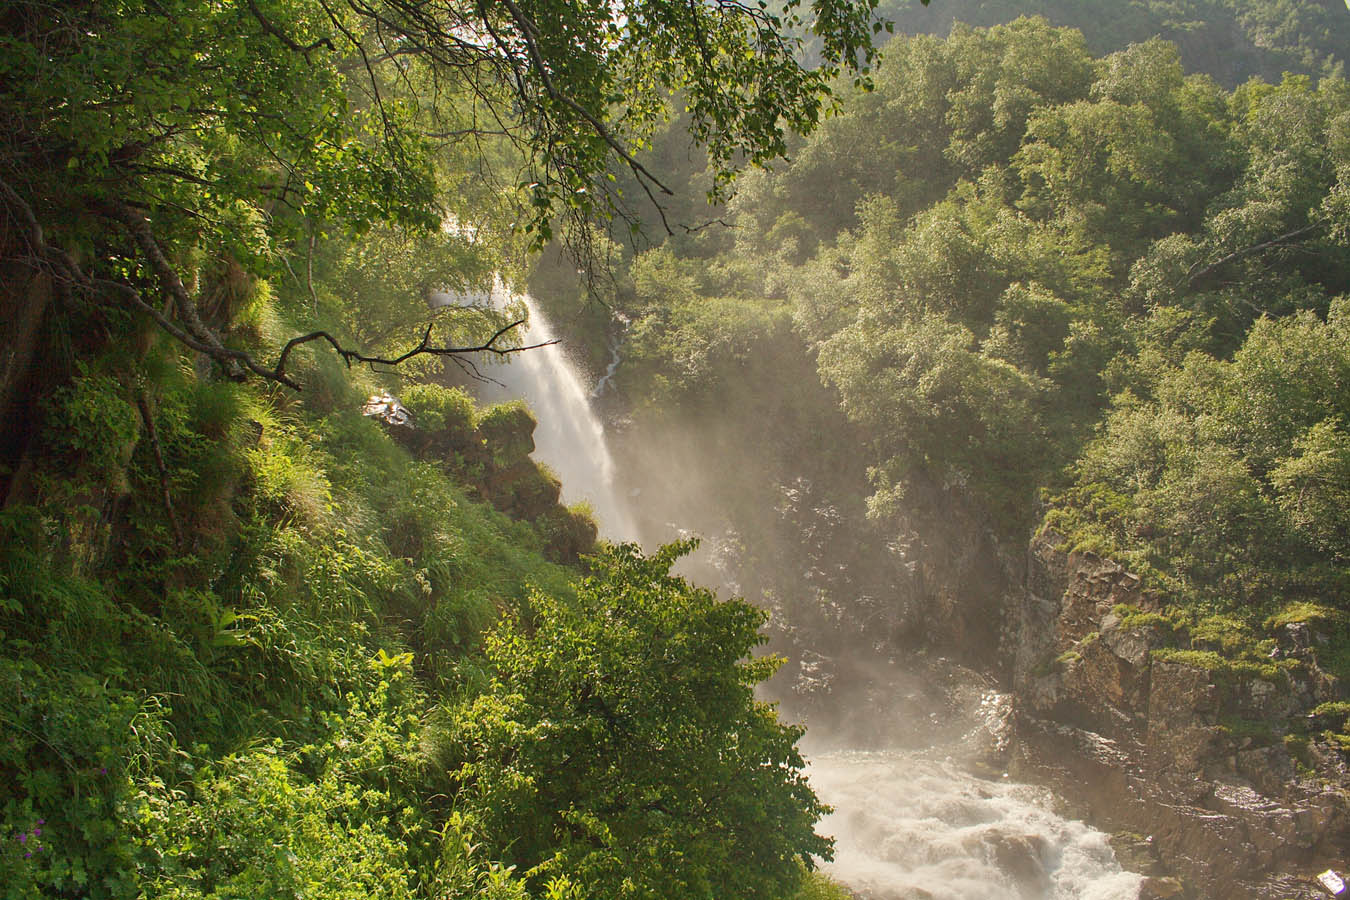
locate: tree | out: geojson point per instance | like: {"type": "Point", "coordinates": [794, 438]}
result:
{"type": "Point", "coordinates": [146, 140]}
{"type": "Point", "coordinates": [621, 747]}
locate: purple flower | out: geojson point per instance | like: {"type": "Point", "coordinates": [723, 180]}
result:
{"type": "Point", "coordinates": [42, 821]}
{"type": "Point", "coordinates": [28, 855]}
{"type": "Point", "coordinates": [102, 771]}
{"type": "Point", "coordinates": [23, 839]}
{"type": "Point", "coordinates": [37, 832]}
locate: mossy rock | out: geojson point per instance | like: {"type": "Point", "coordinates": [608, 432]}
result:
{"type": "Point", "coordinates": [507, 429]}
{"type": "Point", "coordinates": [435, 408]}
{"type": "Point", "coordinates": [443, 418]}
{"type": "Point", "coordinates": [524, 490]}
{"type": "Point", "coordinates": [567, 533]}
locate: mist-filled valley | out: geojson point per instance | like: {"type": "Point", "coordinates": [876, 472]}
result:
{"type": "Point", "coordinates": [628, 451]}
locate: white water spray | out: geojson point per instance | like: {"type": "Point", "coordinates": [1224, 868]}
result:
{"type": "Point", "coordinates": [570, 438]}
{"type": "Point", "coordinates": [909, 824]}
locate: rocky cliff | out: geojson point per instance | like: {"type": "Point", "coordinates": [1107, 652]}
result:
{"type": "Point", "coordinates": [1211, 776]}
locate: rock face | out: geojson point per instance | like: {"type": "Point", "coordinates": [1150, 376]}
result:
{"type": "Point", "coordinates": [1165, 749]}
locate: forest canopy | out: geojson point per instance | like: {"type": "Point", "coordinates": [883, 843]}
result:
{"type": "Point", "coordinates": [1095, 295]}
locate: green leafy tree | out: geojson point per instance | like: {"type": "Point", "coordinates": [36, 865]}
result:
{"type": "Point", "coordinates": [621, 746]}
{"type": "Point", "coordinates": [145, 141]}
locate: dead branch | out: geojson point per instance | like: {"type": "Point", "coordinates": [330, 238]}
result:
{"type": "Point", "coordinates": [350, 356]}
{"type": "Point", "coordinates": [1195, 276]}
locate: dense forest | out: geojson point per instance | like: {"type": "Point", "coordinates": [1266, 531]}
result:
{"type": "Point", "coordinates": [1056, 268]}
{"type": "Point", "coordinates": [1097, 296]}
{"type": "Point", "coordinates": [259, 644]}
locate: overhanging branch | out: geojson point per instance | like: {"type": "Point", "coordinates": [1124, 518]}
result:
{"type": "Point", "coordinates": [195, 334]}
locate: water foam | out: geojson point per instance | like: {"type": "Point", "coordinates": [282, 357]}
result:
{"type": "Point", "coordinates": [912, 825]}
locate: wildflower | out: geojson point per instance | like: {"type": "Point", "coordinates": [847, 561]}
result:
{"type": "Point", "coordinates": [23, 838]}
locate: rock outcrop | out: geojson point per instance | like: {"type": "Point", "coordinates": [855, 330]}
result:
{"type": "Point", "coordinates": [1211, 766]}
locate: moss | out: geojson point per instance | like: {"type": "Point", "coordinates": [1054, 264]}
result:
{"type": "Point", "coordinates": [1296, 744]}
{"type": "Point", "coordinates": [1337, 740]}
{"type": "Point", "coordinates": [507, 430]}
{"type": "Point", "coordinates": [568, 533]}
{"type": "Point", "coordinates": [1259, 731]}
{"type": "Point", "coordinates": [1335, 711]}
{"type": "Point", "coordinates": [1304, 611]}
{"type": "Point", "coordinates": [438, 410]}
{"type": "Point", "coordinates": [1226, 668]}
{"type": "Point", "coordinates": [1227, 634]}
{"type": "Point", "coordinates": [1134, 617]}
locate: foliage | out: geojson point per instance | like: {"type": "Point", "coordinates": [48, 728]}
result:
{"type": "Point", "coordinates": [149, 146]}
{"type": "Point", "coordinates": [621, 746]}
{"type": "Point", "coordinates": [230, 710]}
{"type": "Point", "coordinates": [338, 816]}
{"type": "Point", "coordinates": [1218, 475]}
{"type": "Point", "coordinates": [1046, 275]}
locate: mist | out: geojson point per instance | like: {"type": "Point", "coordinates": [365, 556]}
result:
{"type": "Point", "coordinates": [909, 747]}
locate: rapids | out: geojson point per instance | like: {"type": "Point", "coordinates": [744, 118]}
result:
{"type": "Point", "coordinates": [912, 825]}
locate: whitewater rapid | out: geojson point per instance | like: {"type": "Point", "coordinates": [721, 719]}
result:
{"type": "Point", "coordinates": [912, 825]}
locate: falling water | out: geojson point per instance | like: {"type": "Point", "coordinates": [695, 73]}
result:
{"type": "Point", "coordinates": [614, 360]}
{"type": "Point", "coordinates": [910, 824]}
{"type": "Point", "coordinates": [570, 438]}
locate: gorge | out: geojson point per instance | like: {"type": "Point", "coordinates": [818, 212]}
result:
{"type": "Point", "coordinates": [996, 351]}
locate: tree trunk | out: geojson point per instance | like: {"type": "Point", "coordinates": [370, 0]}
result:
{"type": "Point", "coordinates": [25, 298]}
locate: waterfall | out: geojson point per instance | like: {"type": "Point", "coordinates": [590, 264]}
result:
{"type": "Point", "coordinates": [910, 824]}
{"type": "Point", "coordinates": [614, 360]}
{"type": "Point", "coordinates": [570, 438]}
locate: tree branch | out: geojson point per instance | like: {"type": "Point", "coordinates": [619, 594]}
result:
{"type": "Point", "coordinates": [423, 348]}
{"type": "Point", "coordinates": [197, 336]}
{"type": "Point", "coordinates": [1194, 276]}
{"type": "Point", "coordinates": [280, 35]}
{"type": "Point", "coordinates": [528, 34]}
{"type": "Point", "coordinates": [139, 227]}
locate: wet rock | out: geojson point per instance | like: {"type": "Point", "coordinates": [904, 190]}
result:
{"type": "Point", "coordinates": [1137, 853]}
{"type": "Point", "coordinates": [1160, 889]}
{"type": "Point", "coordinates": [1200, 762]}
{"type": "Point", "coordinates": [1020, 856]}
{"type": "Point", "coordinates": [386, 407]}
{"type": "Point", "coordinates": [1269, 769]}
{"type": "Point", "coordinates": [1130, 644]}
{"type": "Point", "coordinates": [1294, 639]}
